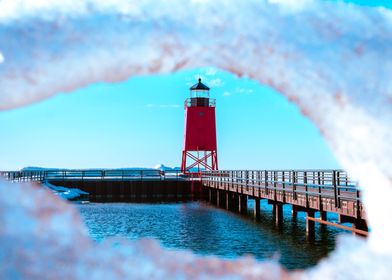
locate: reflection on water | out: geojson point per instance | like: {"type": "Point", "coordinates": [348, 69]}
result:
{"type": "Point", "coordinates": [207, 230]}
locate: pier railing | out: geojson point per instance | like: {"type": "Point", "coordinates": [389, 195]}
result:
{"type": "Point", "coordinates": [91, 174]}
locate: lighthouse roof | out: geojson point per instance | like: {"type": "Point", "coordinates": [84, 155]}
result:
{"type": "Point", "coordinates": [199, 86]}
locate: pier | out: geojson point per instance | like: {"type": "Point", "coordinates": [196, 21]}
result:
{"type": "Point", "coordinates": [309, 191]}
{"type": "Point", "coordinates": [323, 191]}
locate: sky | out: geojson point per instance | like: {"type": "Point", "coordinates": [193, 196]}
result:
{"type": "Point", "coordinates": [140, 123]}
{"type": "Point", "coordinates": [370, 3]}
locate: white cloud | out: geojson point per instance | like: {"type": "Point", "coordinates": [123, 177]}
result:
{"type": "Point", "coordinates": [226, 93]}
{"type": "Point", "coordinates": [214, 83]}
{"type": "Point", "coordinates": [211, 71]}
{"type": "Point", "coordinates": [245, 91]}
{"type": "Point", "coordinates": [1, 57]}
{"type": "Point", "coordinates": [293, 5]}
{"type": "Point", "coordinates": [387, 13]}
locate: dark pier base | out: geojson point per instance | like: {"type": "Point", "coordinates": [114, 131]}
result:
{"type": "Point", "coordinates": [229, 200]}
{"type": "Point", "coordinates": [232, 201]}
{"type": "Point", "coordinates": [137, 190]}
{"type": "Point", "coordinates": [256, 210]}
{"type": "Point", "coordinates": [242, 203]}
{"type": "Point", "coordinates": [310, 234]}
{"type": "Point", "coordinates": [278, 214]}
{"type": "Point", "coordinates": [221, 199]}
{"type": "Point", "coordinates": [294, 213]}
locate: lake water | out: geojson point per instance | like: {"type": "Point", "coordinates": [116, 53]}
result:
{"type": "Point", "coordinates": [207, 230]}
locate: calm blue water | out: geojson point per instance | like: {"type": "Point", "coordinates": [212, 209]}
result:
{"type": "Point", "coordinates": [207, 230]}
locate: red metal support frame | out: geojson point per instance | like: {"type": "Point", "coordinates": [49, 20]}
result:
{"type": "Point", "coordinates": [209, 161]}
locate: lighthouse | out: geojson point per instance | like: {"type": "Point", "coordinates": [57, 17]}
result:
{"type": "Point", "coordinates": [200, 149]}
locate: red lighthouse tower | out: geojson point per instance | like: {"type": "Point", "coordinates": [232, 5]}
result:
{"type": "Point", "coordinates": [200, 150]}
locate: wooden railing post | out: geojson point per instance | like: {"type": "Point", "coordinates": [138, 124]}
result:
{"type": "Point", "coordinates": [231, 179]}
{"type": "Point", "coordinates": [242, 181]}
{"type": "Point", "coordinates": [275, 179]}
{"type": "Point", "coordinates": [314, 178]}
{"type": "Point", "coordinates": [294, 186]}
{"type": "Point", "coordinates": [346, 180]}
{"type": "Point", "coordinates": [238, 179]}
{"type": "Point", "coordinates": [227, 180]}
{"type": "Point", "coordinates": [358, 214]}
{"type": "Point", "coordinates": [284, 186]}
{"type": "Point", "coordinates": [319, 190]}
{"type": "Point", "coordinates": [254, 177]}
{"type": "Point", "coordinates": [247, 180]}
{"type": "Point", "coordinates": [266, 182]}
{"type": "Point", "coordinates": [335, 189]}
{"type": "Point", "coordinates": [338, 187]}
{"type": "Point", "coordinates": [306, 188]}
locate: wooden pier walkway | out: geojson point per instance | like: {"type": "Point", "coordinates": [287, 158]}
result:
{"type": "Point", "coordinates": [309, 191]}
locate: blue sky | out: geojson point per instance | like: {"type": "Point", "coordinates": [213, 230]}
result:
{"type": "Point", "coordinates": [140, 123]}
{"type": "Point", "coordinates": [371, 3]}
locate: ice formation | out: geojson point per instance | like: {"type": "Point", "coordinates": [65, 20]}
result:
{"type": "Point", "coordinates": [332, 59]}
{"type": "Point", "coordinates": [43, 237]}
{"type": "Point", "coordinates": [65, 193]}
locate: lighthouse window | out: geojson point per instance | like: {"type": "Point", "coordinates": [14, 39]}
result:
{"type": "Point", "coordinates": [200, 93]}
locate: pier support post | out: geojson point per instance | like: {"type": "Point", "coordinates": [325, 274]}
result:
{"type": "Point", "coordinates": [217, 198]}
{"type": "Point", "coordinates": [209, 195]}
{"type": "Point", "coordinates": [323, 217]}
{"type": "Point", "coordinates": [360, 224]}
{"type": "Point", "coordinates": [256, 210]}
{"type": "Point", "coordinates": [242, 203]}
{"type": "Point", "coordinates": [278, 210]}
{"type": "Point", "coordinates": [234, 199]}
{"type": "Point", "coordinates": [294, 213]}
{"type": "Point", "coordinates": [244, 206]}
{"type": "Point", "coordinates": [228, 196]}
{"type": "Point", "coordinates": [309, 225]}
{"type": "Point", "coordinates": [223, 200]}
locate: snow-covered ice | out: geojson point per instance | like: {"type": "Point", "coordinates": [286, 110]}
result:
{"type": "Point", "coordinates": [332, 59]}
{"type": "Point", "coordinates": [43, 237]}
{"type": "Point", "coordinates": [65, 193]}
